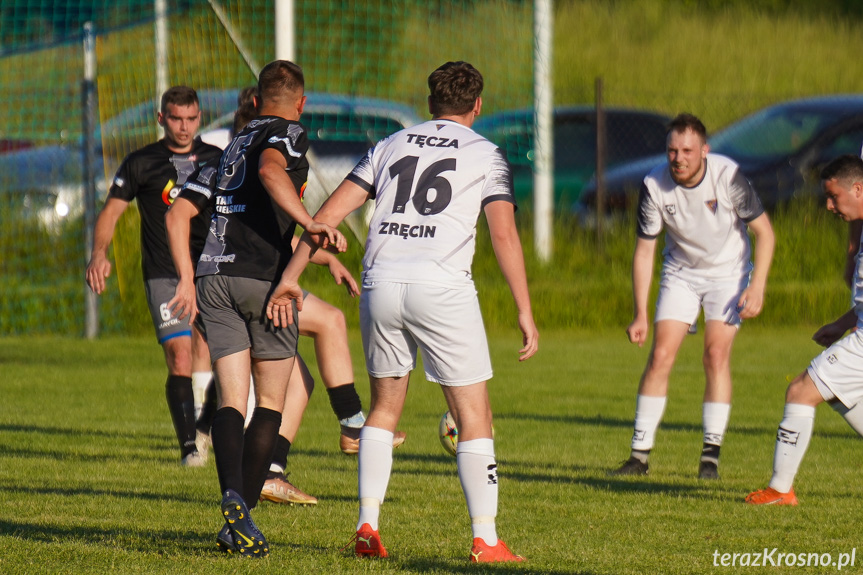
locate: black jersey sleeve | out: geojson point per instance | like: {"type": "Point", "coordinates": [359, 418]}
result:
{"type": "Point", "coordinates": [746, 202]}
{"type": "Point", "coordinates": [200, 188]}
{"type": "Point", "coordinates": [125, 184]}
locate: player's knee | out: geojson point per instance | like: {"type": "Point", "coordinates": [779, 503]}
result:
{"type": "Point", "coordinates": [715, 357]}
{"type": "Point", "coordinates": [802, 390]}
{"type": "Point", "coordinates": [661, 360]}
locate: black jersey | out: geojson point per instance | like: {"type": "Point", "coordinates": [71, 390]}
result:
{"type": "Point", "coordinates": [153, 175]}
{"type": "Point", "coordinates": [250, 235]}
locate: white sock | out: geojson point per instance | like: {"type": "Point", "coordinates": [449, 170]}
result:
{"type": "Point", "coordinates": [648, 414]}
{"type": "Point", "coordinates": [200, 382]}
{"type": "Point", "coordinates": [375, 464]}
{"type": "Point", "coordinates": [477, 471]}
{"type": "Point", "coordinates": [715, 417]}
{"type": "Point", "coordinates": [250, 405]}
{"type": "Point", "coordinates": [792, 439]}
{"type": "Point", "coordinates": [853, 416]}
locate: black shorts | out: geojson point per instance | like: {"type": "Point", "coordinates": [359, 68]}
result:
{"type": "Point", "coordinates": [234, 312]}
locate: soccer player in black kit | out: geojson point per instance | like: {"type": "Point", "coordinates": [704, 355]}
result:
{"type": "Point", "coordinates": [257, 205]}
{"type": "Point", "coordinates": [154, 175]}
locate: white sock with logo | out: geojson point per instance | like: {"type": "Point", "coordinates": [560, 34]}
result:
{"type": "Point", "coordinates": [715, 417]}
{"type": "Point", "coordinates": [375, 464]}
{"type": "Point", "coordinates": [792, 439]}
{"type": "Point", "coordinates": [648, 413]}
{"type": "Point", "coordinates": [477, 471]}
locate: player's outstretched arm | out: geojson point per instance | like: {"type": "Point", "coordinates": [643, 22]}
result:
{"type": "Point", "coordinates": [99, 267]}
{"type": "Point", "coordinates": [642, 272]}
{"type": "Point", "coordinates": [178, 222]}
{"type": "Point", "coordinates": [340, 273]}
{"type": "Point", "coordinates": [345, 199]}
{"type": "Point", "coordinates": [510, 258]}
{"type": "Point", "coordinates": [271, 170]}
{"type": "Point", "coordinates": [751, 301]}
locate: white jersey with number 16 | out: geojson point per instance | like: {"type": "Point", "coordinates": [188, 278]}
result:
{"type": "Point", "coordinates": [429, 183]}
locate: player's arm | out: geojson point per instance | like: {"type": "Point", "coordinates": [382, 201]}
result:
{"type": "Point", "coordinates": [99, 266]}
{"type": "Point", "coordinates": [340, 273]}
{"type": "Point", "coordinates": [178, 222]}
{"type": "Point", "coordinates": [345, 199]}
{"type": "Point", "coordinates": [642, 273]}
{"type": "Point", "coordinates": [751, 300]}
{"type": "Point", "coordinates": [510, 257]}
{"type": "Point", "coordinates": [271, 170]}
{"type": "Point", "coordinates": [855, 228]}
{"type": "Point", "coordinates": [833, 331]}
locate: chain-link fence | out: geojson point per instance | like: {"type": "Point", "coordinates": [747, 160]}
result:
{"type": "Point", "coordinates": [366, 65]}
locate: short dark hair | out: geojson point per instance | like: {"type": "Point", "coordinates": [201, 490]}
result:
{"type": "Point", "coordinates": [844, 168]}
{"type": "Point", "coordinates": [246, 110]}
{"type": "Point", "coordinates": [686, 121]}
{"type": "Point", "coordinates": [278, 79]}
{"type": "Point", "coordinates": [454, 89]}
{"type": "Point", "coordinates": [178, 96]}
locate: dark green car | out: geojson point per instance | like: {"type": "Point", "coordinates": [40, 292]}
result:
{"type": "Point", "coordinates": [631, 134]}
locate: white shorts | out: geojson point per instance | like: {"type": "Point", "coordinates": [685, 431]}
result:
{"type": "Point", "coordinates": [680, 299]}
{"type": "Point", "coordinates": [444, 323]}
{"type": "Point", "coordinates": [838, 370]}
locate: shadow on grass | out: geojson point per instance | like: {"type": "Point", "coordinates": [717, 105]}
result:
{"type": "Point", "coordinates": [88, 492]}
{"type": "Point", "coordinates": [615, 422]}
{"type": "Point", "coordinates": [454, 566]}
{"type": "Point", "coordinates": [166, 542]}
{"type": "Point", "coordinates": [75, 431]}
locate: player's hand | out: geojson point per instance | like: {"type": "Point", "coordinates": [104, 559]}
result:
{"type": "Point", "coordinates": [750, 303]}
{"type": "Point", "coordinates": [637, 331]}
{"type": "Point", "coordinates": [530, 335]}
{"type": "Point", "coordinates": [341, 276]}
{"type": "Point", "coordinates": [185, 302]}
{"type": "Point", "coordinates": [325, 236]}
{"type": "Point", "coordinates": [279, 307]}
{"type": "Point", "coordinates": [98, 269]}
{"type": "Point", "coordinates": [828, 334]}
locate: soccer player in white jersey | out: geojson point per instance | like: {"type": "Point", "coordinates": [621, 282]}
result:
{"type": "Point", "coordinates": [835, 376]}
{"type": "Point", "coordinates": [429, 183]}
{"type": "Point", "coordinates": [705, 206]}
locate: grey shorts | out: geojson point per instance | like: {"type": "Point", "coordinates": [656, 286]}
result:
{"type": "Point", "coordinates": [234, 312]}
{"type": "Point", "coordinates": [159, 292]}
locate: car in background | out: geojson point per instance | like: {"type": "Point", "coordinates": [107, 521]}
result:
{"type": "Point", "coordinates": [631, 134]}
{"type": "Point", "coordinates": [781, 149]}
{"type": "Point", "coordinates": [341, 129]}
{"type": "Point", "coordinates": [44, 185]}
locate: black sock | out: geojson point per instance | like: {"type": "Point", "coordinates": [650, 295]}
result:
{"type": "Point", "coordinates": [280, 455]}
{"type": "Point", "coordinates": [228, 439]}
{"type": "Point", "coordinates": [258, 447]}
{"type": "Point", "coordinates": [710, 453]}
{"type": "Point", "coordinates": [181, 403]}
{"type": "Point", "coordinates": [208, 410]}
{"type": "Point", "coordinates": [345, 401]}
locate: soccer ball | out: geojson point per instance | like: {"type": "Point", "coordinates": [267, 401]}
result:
{"type": "Point", "coordinates": [448, 433]}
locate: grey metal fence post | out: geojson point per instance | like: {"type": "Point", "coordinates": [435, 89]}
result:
{"type": "Point", "coordinates": [88, 91]}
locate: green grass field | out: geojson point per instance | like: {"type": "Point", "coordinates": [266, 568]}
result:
{"type": "Point", "coordinates": [90, 480]}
